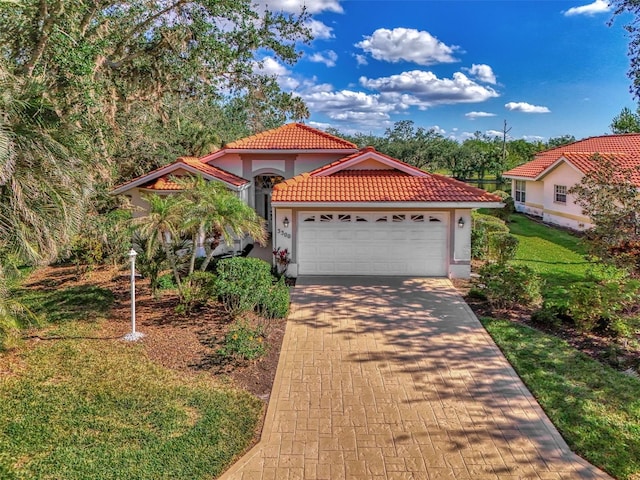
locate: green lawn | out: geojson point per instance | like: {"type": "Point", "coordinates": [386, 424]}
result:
{"type": "Point", "coordinates": [596, 408]}
{"type": "Point", "coordinates": [81, 407]}
{"type": "Point", "coordinates": [556, 255]}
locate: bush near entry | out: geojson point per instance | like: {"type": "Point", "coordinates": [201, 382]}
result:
{"type": "Point", "coordinates": [246, 284]}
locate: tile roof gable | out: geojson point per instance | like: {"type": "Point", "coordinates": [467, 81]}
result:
{"type": "Point", "coordinates": [292, 136]}
{"type": "Point", "coordinates": [623, 148]}
{"type": "Point", "coordinates": [334, 184]}
{"type": "Point", "coordinates": [158, 179]}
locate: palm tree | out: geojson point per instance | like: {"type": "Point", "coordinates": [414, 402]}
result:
{"type": "Point", "coordinates": [213, 214]}
{"type": "Point", "coordinates": [44, 185]}
{"type": "Point", "coordinates": [163, 225]}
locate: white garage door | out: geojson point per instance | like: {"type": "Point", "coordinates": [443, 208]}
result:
{"type": "Point", "coordinates": [372, 243]}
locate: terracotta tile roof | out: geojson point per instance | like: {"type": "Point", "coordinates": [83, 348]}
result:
{"type": "Point", "coordinates": [293, 136]}
{"type": "Point", "coordinates": [376, 186]}
{"type": "Point", "coordinates": [624, 148]}
{"type": "Point", "coordinates": [585, 163]}
{"type": "Point", "coordinates": [361, 153]}
{"type": "Point", "coordinates": [164, 183]}
{"type": "Point", "coordinates": [214, 171]}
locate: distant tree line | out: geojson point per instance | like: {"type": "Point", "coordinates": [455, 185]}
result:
{"type": "Point", "coordinates": [479, 157]}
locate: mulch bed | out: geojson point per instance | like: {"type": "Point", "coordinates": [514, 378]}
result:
{"type": "Point", "coordinates": [184, 343]}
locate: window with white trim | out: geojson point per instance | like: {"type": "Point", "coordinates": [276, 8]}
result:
{"type": "Point", "coordinates": [560, 193]}
{"type": "Point", "coordinates": [520, 191]}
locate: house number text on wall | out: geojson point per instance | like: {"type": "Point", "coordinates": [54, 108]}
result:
{"type": "Point", "coordinates": [284, 234]}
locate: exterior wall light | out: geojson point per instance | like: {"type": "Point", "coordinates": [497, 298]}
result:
{"type": "Point", "coordinates": [461, 222]}
{"type": "Point", "coordinates": [285, 222]}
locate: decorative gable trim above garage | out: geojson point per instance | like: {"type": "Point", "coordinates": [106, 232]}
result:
{"type": "Point", "coordinates": [370, 214]}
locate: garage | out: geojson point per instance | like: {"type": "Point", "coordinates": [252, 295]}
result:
{"type": "Point", "coordinates": [372, 243]}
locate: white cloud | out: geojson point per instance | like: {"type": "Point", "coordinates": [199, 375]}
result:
{"type": "Point", "coordinates": [271, 67]}
{"type": "Point", "coordinates": [598, 6]}
{"type": "Point", "coordinates": [466, 135]}
{"type": "Point", "coordinates": [437, 129]}
{"type": "Point", "coordinates": [525, 107]}
{"type": "Point", "coordinates": [319, 30]}
{"type": "Point", "coordinates": [357, 110]}
{"type": "Point", "coordinates": [474, 115]}
{"type": "Point", "coordinates": [431, 90]}
{"type": "Point", "coordinates": [338, 105]}
{"type": "Point", "coordinates": [533, 138]}
{"type": "Point", "coordinates": [407, 44]}
{"type": "Point", "coordinates": [319, 125]}
{"type": "Point", "coordinates": [482, 72]}
{"type": "Point", "coordinates": [328, 58]}
{"type": "Point", "coordinates": [361, 59]}
{"type": "Point", "coordinates": [295, 6]}
{"type": "Point", "coordinates": [494, 133]}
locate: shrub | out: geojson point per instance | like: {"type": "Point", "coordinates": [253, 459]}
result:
{"type": "Point", "coordinates": [502, 246]}
{"type": "Point", "coordinates": [547, 315]}
{"type": "Point", "coordinates": [149, 262]}
{"type": "Point", "coordinates": [608, 304]}
{"type": "Point", "coordinates": [508, 285]}
{"type": "Point", "coordinates": [243, 283]}
{"type": "Point", "coordinates": [509, 206]}
{"type": "Point", "coordinates": [101, 239]}
{"type": "Point", "coordinates": [166, 282]}
{"type": "Point", "coordinates": [196, 291]}
{"type": "Point", "coordinates": [276, 302]}
{"type": "Point", "coordinates": [481, 226]}
{"type": "Point", "coordinates": [243, 342]}
{"type": "Point", "coordinates": [282, 261]}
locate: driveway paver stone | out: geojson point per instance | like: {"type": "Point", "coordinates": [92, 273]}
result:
{"type": "Point", "coordinates": [395, 378]}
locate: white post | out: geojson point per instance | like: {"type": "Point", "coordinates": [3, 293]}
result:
{"type": "Point", "coordinates": [133, 336]}
{"type": "Point", "coordinates": [132, 256]}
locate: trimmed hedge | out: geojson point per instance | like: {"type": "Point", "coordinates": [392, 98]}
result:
{"type": "Point", "coordinates": [502, 247]}
{"type": "Point", "coordinates": [276, 303]}
{"type": "Point", "coordinates": [481, 226]}
{"type": "Point", "coordinates": [242, 283]}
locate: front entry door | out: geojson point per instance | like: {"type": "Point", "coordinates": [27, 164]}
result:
{"type": "Point", "coordinates": [263, 188]}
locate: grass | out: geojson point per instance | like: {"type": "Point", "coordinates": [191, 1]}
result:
{"type": "Point", "coordinates": [78, 407]}
{"type": "Point", "coordinates": [556, 255]}
{"type": "Point", "coordinates": [81, 302]}
{"type": "Point", "coordinates": [596, 408]}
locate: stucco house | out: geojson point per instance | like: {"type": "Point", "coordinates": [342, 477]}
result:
{"type": "Point", "coordinates": [540, 187]}
{"type": "Point", "coordinates": [339, 210]}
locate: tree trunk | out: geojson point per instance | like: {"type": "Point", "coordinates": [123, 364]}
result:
{"type": "Point", "coordinates": [172, 261]}
{"type": "Point", "coordinates": [215, 243]}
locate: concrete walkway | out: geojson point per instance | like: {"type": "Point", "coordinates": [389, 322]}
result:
{"type": "Point", "coordinates": [389, 378]}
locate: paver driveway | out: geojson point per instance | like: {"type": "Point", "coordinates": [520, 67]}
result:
{"type": "Point", "coordinates": [396, 378]}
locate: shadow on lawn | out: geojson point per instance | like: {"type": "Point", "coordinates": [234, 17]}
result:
{"type": "Point", "coordinates": [81, 302]}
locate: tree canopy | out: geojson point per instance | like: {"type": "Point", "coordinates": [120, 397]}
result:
{"type": "Point", "coordinates": [626, 122]}
{"type": "Point", "coordinates": [476, 157]}
{"type": "Point", "coordinates": [609, 197]}
{"type": "Point", "coordinates": [96, 92]}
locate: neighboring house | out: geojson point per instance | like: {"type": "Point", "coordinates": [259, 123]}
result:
{"type": "Point", "coordinates": [339, 210]}
{"type": "Point", "coordinates": [540, 187]}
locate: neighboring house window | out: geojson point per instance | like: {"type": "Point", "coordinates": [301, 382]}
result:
{"type": "Point", "coordinates": [560, 193]}
{"type": "Point", "coordinates": [520, 191]}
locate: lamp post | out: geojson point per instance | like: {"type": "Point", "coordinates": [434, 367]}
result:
{"type": "Point", "coordinates": [133, 336]}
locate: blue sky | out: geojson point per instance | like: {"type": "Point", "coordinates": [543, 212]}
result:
{"type": "Point", "coordinates": [547, 67]}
